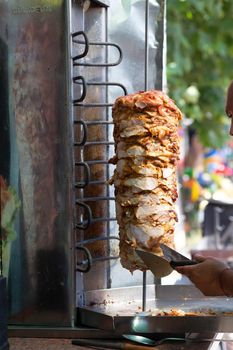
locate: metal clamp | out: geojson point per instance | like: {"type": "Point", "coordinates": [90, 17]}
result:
{"type": "Point", "coordinates": [86, 49]}
{"type": "Point", "coordinates": [87, 175]}
{"type": "Point", "coordinates": [85, 42]}
{"type": "Point", "coordinates": [84, 138]}
{"type": "Point", "coordinates": [81, 80]}
{"type": "Point", "coordinates": [85, 265]}
{"type": "Point", "coordinates": [99, 239]}
{"type": "Point", "coordinates": [77, 80]}
{"type": "Point", "coordinates": [83, 225]}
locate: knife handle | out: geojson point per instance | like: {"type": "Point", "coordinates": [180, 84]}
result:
{"type": "Point", "coordinates": [129, 346]}
{"type": "Point", "coordinates": [109, 344]}
{"type": "Point", "coordinates": [182, 263]}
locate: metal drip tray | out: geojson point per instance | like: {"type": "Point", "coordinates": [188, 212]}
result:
{"type": "Point", "coordinates": [126, 316]}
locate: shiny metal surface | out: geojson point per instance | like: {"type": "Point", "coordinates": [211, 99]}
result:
{"type": "Point", "coordinates": [142, 44]}
{"type": "Point", "coordinates": [175, 324]}
{"type": "Point", "coordinates": [140, 68]}
{"type": "Point", "coordinates": [162, 266]}
{"type": "Point", "coordinates": [96, 226]}
{"type": "Point", "coordinates": [171, 254]}
{"type": "Point", "coordinates": [40, 273]}
{"type": "Point", "coordinates": [158, 265]}
{"type": "Point", "coordinates": [91, 118]}
{"type": "Point", "coordinates": [140, 339]}
{"type": "Point", "coordinates": [140, 34]}
{"type": "Point", "coordinates": [126, 317]}
{"type": "Point", "coordinates": [40, 165]}
{"type": "Point", "coordinates": [188, 340]}
{"type": "Point", "coordinates": [155, 324]}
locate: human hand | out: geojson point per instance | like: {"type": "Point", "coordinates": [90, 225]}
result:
{"type": "Point", "coordinates": [229, 100]}
{"type": "Point", "coordinates": [205, 275]}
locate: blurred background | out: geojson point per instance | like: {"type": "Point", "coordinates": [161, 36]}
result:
{"type": "Point", "coordinates": [199, 70]}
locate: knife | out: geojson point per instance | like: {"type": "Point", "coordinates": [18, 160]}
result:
{"type": "Point", "coordinates": [97, 343]}
{"type": "Point", "coordinates": [171, 254]}
{"type": "Point", "coordinates": [160, 266]}
{"type": "Point", "coordinates": [109, 344]}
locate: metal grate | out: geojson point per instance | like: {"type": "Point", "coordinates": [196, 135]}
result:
{"type": "Point", "coordinates": [92, 190]}
{"type": "Point", "coordinates": [84, 215]}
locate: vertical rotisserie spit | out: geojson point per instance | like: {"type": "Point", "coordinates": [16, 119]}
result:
{"type": "Point", "coordinates": [147, 152]}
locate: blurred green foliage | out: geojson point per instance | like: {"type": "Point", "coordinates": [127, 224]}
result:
{"type": "Point", "coordinates": [200, 54]}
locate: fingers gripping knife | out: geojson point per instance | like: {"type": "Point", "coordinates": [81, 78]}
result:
{"type": "Point", "coordinates": [162, 266]}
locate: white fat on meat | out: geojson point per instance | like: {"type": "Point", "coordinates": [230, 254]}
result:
{"type": "Point", "coordinates": [154, 150]}
{"type": "Point", "coordinates": [140, 104]}
{"type": "Point", "coordinates": [143, 211]}
{"type": "Point", "coordinates": [148, 170]}
{"type": "Point", "coordinates": [127, 199]}
{"type": "Point", "coordinates": [135, 130]}
{"type": "Point", "coordinates": [142, 183]}
{"type": "Point", "coordinates": [150, 150]}
{"type": "Point", "coordinates": [125, 123]}
{"type": "Point", "coordinates": [125, 166]}
{"type": "Point", "coordinates": [143, 232]}
{"type": "Point", "coordinates": [169, 181]}
{"type": "Point", "coordinates": [167, 172]}
{"type": "Point", "coordinates": [132, 151]}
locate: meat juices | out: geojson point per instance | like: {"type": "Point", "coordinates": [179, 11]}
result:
{"type": "Point", "coordinates": [147, 151]}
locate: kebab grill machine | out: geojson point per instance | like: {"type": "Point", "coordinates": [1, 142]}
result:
{"type": "Point", "coordinates": [67, 63]}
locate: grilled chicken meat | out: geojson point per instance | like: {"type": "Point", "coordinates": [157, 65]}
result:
{"type": "Point", "coordinates": [147, 151]}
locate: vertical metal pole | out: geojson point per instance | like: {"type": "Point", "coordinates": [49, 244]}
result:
{"type": "Point", "coordinates": [146, 43]}
{"type": "Point", "coordinates": [76, 279]}
{"type": "Point", "coordinates": [107, 148]}
{"type": "Point", "coordinates": [144, 291]}
{"type": "Point", "coordinates": [146, 88]}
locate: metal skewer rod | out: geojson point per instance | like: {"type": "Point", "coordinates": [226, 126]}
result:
{"type": "Point", "coordinates": [144, 291]}
{"type": "Point", "coordinates": [146, 43]}
{"type": "Point", "coordinates": [146, 88]}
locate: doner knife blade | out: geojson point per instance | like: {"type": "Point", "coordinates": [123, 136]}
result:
{"type": "Point", "coordinates": [159, 266]}
{"type": "Point", "coordinates": [171, 254]}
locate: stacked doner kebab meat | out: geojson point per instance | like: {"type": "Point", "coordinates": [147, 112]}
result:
{"type": "Point", "coordinates": [145, 179]}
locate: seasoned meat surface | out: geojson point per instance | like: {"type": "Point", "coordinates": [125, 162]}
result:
{"type": "Point", "coordinates": [146, 155]}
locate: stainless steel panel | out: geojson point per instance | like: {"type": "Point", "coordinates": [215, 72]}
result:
{"type": "Point", "coordinates": [141, 67]}
{"type": "Point", "coordinates": [114, 296]}
{"type": "Point", "coordinates": [140, 34]}
{"type": "Point", "coordinates": [175, 324]}
{"type": "Point", "coordinates": [92, 21]}
{"type": "Point", "coordinates": [155, 324]}
{"type": "Point", "coordinates": [40, 281]}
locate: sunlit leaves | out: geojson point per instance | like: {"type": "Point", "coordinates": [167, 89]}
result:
{"type": "Point", "coordinates": [200, 51]}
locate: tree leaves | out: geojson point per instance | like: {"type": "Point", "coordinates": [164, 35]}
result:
{"type": "Point", "coordinates": [200, 50]}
